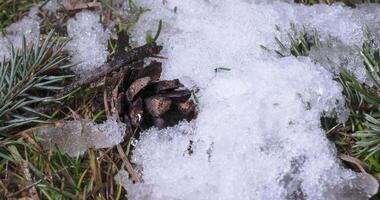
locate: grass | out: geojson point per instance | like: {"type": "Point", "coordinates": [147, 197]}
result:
{"type": "Point", "coordinates": [13, 10]}
{"type": "Point", "coordinates": [26, 167]}
{"type": "Point", "coordinates": [29, 170]}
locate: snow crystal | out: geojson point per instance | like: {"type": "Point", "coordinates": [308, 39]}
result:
{"type": "Point", "coordinates": [258, 133]}
{"type": "Point", "coordinates": [329, 21]}
{"type": "Point", "coordinates": [53, 5]}
{"type": "Point", "coordinates": [27, 27]}
{"type": "Point", "coordinates": [147, 24]}
{"type": "Point", "coordinates": [340, 55]}
{"type": "Point", "coordinates": [122, 9]}
{"type": "Point", "coordinates": [88, 41]}
{"type": "Point", "coordinates": [75, 137]}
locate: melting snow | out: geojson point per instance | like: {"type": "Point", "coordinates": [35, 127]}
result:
{"type": "Point", "coordinates": [53, 5]}
{"type": "Point", "coordinates": [88, 41]}
{"type": "Point", "coordinates": [258, 134]}
{"type": "Point", "coordinates": [75, 137]}
{"type": "Point", "coordinates": [27, 27]}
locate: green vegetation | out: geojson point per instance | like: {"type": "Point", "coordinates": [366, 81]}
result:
{"type": "Point", "coordinates": [26, 169]}
{"type": "Point", "coordinates": [29, 83]}
{"type": "Point", "coordinates": [13, 10]}
{"type": "Point", "coordinates": [27, 80]}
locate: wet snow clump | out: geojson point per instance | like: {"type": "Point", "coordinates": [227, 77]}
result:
{"type": "Point", "coordinates": [88, 41]}
{"type": "Point", "coordinates": [28, 27]}
{"type": "Point", "coordinates": [75, 137]}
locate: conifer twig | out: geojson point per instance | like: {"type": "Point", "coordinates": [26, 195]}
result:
{"type": "Point", "coordinates": [28, 79]}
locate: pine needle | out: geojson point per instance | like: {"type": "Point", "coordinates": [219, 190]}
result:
{"type": "Point", "coordinates": [29, 79]}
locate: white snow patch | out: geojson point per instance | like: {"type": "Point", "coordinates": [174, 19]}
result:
{"type": "Point", "coordinates": [254, 138]}
{"type": "Point", "coordinates": [340, 55]}
{"type": "Point", "coordinates": [53, 5]}
{"type": "Point", "coordinates": [27, 27]}
{"type": "Point", "coordinates": [339, 24]}
{"type": "Point", "coordinates": [75, 137]}
{"type": "Point", "coordinates": [258, 134]}
{"type": "Point", "coordinates": [88, 42]}
{"type": "Point", "coordinates": [338, 20]}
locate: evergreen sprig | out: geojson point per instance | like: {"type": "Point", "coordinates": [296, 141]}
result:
{"type": "Point", "coordinates": [28, 80]}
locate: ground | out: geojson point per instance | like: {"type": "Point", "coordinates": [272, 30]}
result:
{"type": "Point", "coordinates": [189, 100]}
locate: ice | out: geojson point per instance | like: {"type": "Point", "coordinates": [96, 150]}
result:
{"type": "Point", "coordinates": [75, 137]}
{"type": "Point", "coordinates": [258, 134]}
{"type": "Point", "coordinates": [340, 55]}
{"type": "Point", "coordinates": [88, 42]}
{"type": "Point", "coordinates": [27, 27]}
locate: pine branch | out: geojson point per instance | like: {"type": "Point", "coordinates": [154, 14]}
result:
{"type": "Point", "coordinates": [29, 79]}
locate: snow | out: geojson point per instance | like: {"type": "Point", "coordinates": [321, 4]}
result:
{"type": "Point", "coordinates": [75, 137]}
{"type": "Point", "coordinates": [341, 55]}
{"type": "Point", "coordinates": [329, 21]}
{"type": "Point", "coordinates": [88, 43]}
{"type": "Point", "coordinates": [258, 133]}
{"type": "Point", "coordinates": [53, 5]}
{"type": "Point", "coordinates": [27, 27]}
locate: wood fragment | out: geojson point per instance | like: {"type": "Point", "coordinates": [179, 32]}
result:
{"type": "Point", "coordinates": [136, 54]}
{"type": "Point", "coordinates": [158, 105]}
{"type": "Point", "coordinates": [136, 87]}
{"type": "Point", "coordinates": [186, 107]}
{"type": "Point", "coordinates": [127, 164]}
{"type": "Point", "coordinates": [116, 100]}
{"type": "Point", "coordinates": [178, 96]}
{"type": "Point", "coordinates": [128, 131]}
{"type": "Point", "coordinates": [120, 105]}
{"type": "Point", "coordinates": [136, 112]}
{"type": "Point", "coordinates": [358, 163]}
{"type": "Point", "coordinates": [107, 107]}
{"type": "Point", "coordinates": [81, 6]}
{"type": "Point", "coordinates": [153, 70]}
{"type": "Point", "coordinates": [32, 190]}
{"type": "Point", "coordinates": [166, 85]}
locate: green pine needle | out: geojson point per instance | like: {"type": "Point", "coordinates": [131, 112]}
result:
{"type": "Point", "coordinates": [29, 80]}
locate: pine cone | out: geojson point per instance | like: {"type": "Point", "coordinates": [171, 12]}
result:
{"type": "Point", "coordinates": [147, 101]}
